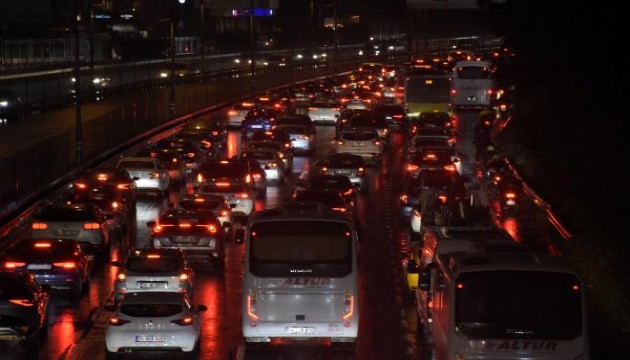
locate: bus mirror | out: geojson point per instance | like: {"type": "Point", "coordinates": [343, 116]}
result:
{"type": "Point", "coordinates": [239, 236]}
{"type": "Point", "coordinates": [412, 267]}
{"type": "Point", "coordinates": [425, 279]}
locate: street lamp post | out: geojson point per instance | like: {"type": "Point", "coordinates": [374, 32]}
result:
{"type": "Point", "coordinates": [252, 47]}
{"type": "Point", "coordinates": [171, 94]}
{"type": "Point", "coordinates": [77, 90]}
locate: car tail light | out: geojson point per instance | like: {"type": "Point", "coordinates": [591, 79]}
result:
{"type": "Point", "coordinates": [453, 91]}
{"type": "Point", "coordinates": [39, 226]}
{"type": "Point", "coordinates": [397, 116]}
{"type": "Point", "coordinates": [153, 256]}
{"type": "Point", "coordinates": [174, 160]}
{"type": "Point", "coordinates": [157, 228]}
{"type": "Point", "coordinates": [338, 142]}
{"type": "Point", "coordinates": [154, 175]}
{"type": "Point", "coordinates": [222, 184]}
{"type": "Point", "coordinates": [212, 229]}
{"type": "Point", "coordinates": [232, 113]}
{"type": "Point", "coordinates": [510, 195]}
{"type": "Point", "coordinates": [199, 178]}
{"type": "Point", "coordinates": [183, 277]}
{"type": "Point", "coordinates": [348, 306]}
{"type": "Point", "coordinates": [68, 265]}
{"type": "Point", "coordinates": [377, 142]}
{"type": "Point", "coordinates": [123, 187]}
{"type": "Point", "coordinates": [184, 225]}
{"type": "Point", "coordinates": [121, 277]}
{"type": "Point", "coordinates": [348, 192]}
{"type": "Point", "coordinates": [224, 212]}
{"type": "Point", "coordinates": [80, 185]}
{"type": "Point", "coordinates": [252, 308]}
{"type": "Point", "coordinates": [340, 209]}
{"type": "Point", "coordinates": [257, 176]}
{"type": "Point", "coordinates": [412, 167]}
{"type": "Point", "coordinates": [248, 178]}
{"type": "Point", "coordinates": [442, 199]}
{"type": "Point", "coordinates": [114, 321]}
{"type": "Point", "coordinates": [273, 164]}
{"type": "Point", "coordinates": [361, 171]}
{"type": "Point", "coordinates": [242, 195]}
{"type": "Point", "coordinates": [404, 198]}
{"type": "Point", "coordinates": [42, 245]}
{"type": "Point", "coordinates": [188, 320]}
{"type": "Point", "coordinates": [91, 226]}
{"type": "Point", "coordinates": [22, 302]}
{"type": "Point", "coordinates": [10, 265]}
{"type": "Point", "coordinates": [450, 167]}
{"type": "Point", "coordinates": [101, 177]}
{"type": "Point", "coordinates": [324, 170]}
{"type": "Point", "coordinates": [190, 155]}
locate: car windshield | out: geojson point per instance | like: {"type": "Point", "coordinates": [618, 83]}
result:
{"type": "Point", "coordinates": [161, 264]}
{"type": "Point", "coordinates": [151, 310]}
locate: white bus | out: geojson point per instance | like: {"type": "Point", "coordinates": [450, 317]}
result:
{"type": "Point", "coordinates": [472, 85]}
{"type": "Point", "coordinates": [300, 278]}
{"type": "Point", "coordinates": [505, 305]}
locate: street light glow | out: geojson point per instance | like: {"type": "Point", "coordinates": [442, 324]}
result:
{"type": "Point", "coordinates": [182, 1]}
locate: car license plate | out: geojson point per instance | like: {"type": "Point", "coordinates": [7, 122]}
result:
{"type": "Point", "coordinates": [152, 284]}
{"type": "Point", "coordinates": [148, 338]}
{"type": "Point", "coordinates": [65, 232]}
{"type": "Point", "coordinates": [359, 144]}
{"type": "Point", "coordinates": [39, 267]}
{"type": "Point", "coordinates": [300, 330]}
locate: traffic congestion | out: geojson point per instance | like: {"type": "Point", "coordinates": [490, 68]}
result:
{"type": "Point", "coordinates": [365, 215]}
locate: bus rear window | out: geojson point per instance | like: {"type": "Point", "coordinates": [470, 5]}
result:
{"type": "Point", "coordinates": [518, 304]}
{"type": "Point", "coordinates": [473, 72]}
{"type": "Point", "coordinates": [320, 248]}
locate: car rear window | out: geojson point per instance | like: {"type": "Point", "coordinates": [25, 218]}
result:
{"type": "Point", "coordinates": [151, 310]}
{"type": "Point", "coordinates": [65, 214]}
{"type": "Point", "coordinates": [359, 136]}
{"type": "Point", "coordinates": [163, 264]}
{"type": "Point", "coordinates": [44, 249]}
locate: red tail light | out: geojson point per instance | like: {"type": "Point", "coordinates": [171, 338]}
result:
{"type": "Point", "coordinates": [510, 195]}
{"type": "Point", "coordinates": [91, 226]}
{"type": "Point", "coordinates": [10, 265]}
{"type": "Point", "coordinates": [377, 142]}
{"type": "Point", "coordinates": [232, 113]}
{"type": "Point", "coordinates": [42, 245]}
{"type": "Point", "coordinates": [114, 321]}
{"type": "Point", "coordinates": [312, 109]}
{"type": "Point", "coordinates": [224, 213]}
{"type": "Point", "coordinates": [183, 277]}
{"type": "Point", "coordinates": [39, 226]}
{"type": "Point", "coordinates": [22, 302]}
{"type": "Point", "coordinates": [442, 199]}
{"type": "Point", "coordinates": [188, 320]}
{"type": "Point", "coordinates": [184, 225]}
{"type": "Point", "coordinates": [123, 187]}
{"type": "Point", "coordinates": [412, 167]}
{"type": "Point", "coordinates": [80, 185]}
{"type": "Point", "coordinates": [115, 205]}
{"type": "Point", "coordinates": [222, 184]}
{"type": "Point", "coordinates": [340, 209]}
{"type": "Point", "coordinates": [453, 92]}
{"type": "Point", "coordinates": [212, 229]}
{"type": "Point", "coordinates": [242, 195]}
{"type": "Point", "coordinates": [450, 167]}
{"type": "Point", "coordinates": [248, 178]}
{"type": "Point", "coordinates": [69, 265]}
{"type": "Point", "coordinates": [397, 116]}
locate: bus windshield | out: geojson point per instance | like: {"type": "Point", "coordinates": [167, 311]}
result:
{"type": "Point", "coordinates": [518, 304]}
{"type": "Point", "coordinates": [316, 248]}
{"type": "Point", "coordinates": [428, 90]}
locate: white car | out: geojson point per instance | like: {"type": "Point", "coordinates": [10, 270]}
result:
{"type": "Point", "coordinates": [270, 160]}
{"type": "Point", "coordinates": [147, 173]}
{"type": "Point", "coordinates": [362, 141]}
{"type": "Point", "coordinates": [153, 321]}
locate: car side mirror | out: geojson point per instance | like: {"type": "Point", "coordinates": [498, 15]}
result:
{"type": "Point", "coordinates": [151, 224]}
{"type": "Point", "coordinates": [201, 308]}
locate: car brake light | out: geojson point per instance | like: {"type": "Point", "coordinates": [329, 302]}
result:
{"type": "Point", "coordinates": [248, 178]}
{"type": "Point", "coordinates": [348, 306]}
{"type": "Point", "coordinates": [453, 91]}
{"type": "Point", "coordinates": [340, 209]}
{"type": "Point", "coordinates": [324, 170]}
{"type": "Point", "coordinates": [123, 187]}
{"type": "Point", "coordinates": [224, 213]}
{"type": "Point", "coordinates": [114, 321]}
{"type": "Point", "coordinates": [115, 205]}
{"type": "Point", "coordinates": [510, 195]}
{"type": "Point", "coordinates": [188, 320]}
{"type": "Point", "coordinates": [273, 164]}
{"type": "Point", "coordinates": [153, 256]}
{"type": "Point", "coordinates": [338, 142]}
{"type": "Point", "coordinates": [101, 177]}
{"type": "Point", "coordinates": [39, 226]}
{"type": "Point", "coordinates": [174, 160]}
{"type": "Point", "coordinates": [66, 265]}
{"type": "Point", "coordinates": [450, 167]}
{"type": "Point", "coordinates": [212, 229]}
{"type": "Point", "coordinates": [42, 245]}
{"type": "Point", "coordinates": [361, 170]}
{"type": "Point", "coordinates": [252, 309]}
{"type": "Point", "coordinates": [13, 264]}
{"type": "Point", "coordinates": [222, 184]}
{"type": "Point", "coordinates": [348, 192]}
{"type": "Point", "coordinates": [376, 142]}
{"type": "Point", "coordinates": [242, 195]}
{"type": "Point", "coordinates": [122, 277]}
{"type": "Point", "coordinates": [397, 116]}
{"type": "Point", "coordinates": [91, 226]}
{"type": "Point", "coordinates": [442, 199]}
{"type": "Point", "coordinates": [184, 225]}
{"type": "Point", "coordinates": [232, 113]}
{"type": "Point", "coordinates": [183, 277]}
{"type": "Point", "coordinates": [412, 167]}
{"type": "Point", "coordinates": [80, 185]}
{"type": "Point", "coordinates": [404, 198]}
{"type": "Point", "coordinates": [154, 175]}
{"type": "Point", "coordinates": [22, 302]}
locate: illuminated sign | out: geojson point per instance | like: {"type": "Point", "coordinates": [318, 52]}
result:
{"type": "Point", "coordinates": [255, 12]}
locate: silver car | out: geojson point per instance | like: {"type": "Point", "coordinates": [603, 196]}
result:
{"type": "Point", "coordinates": [364, 142]}
{"type": "Point", "coordinates": [325, 113]}
{"type": "Point", "coordinates": [270, 160]}
{"type": "Point", "coordinates": [147, 173]}
{"type": "Point", "coordinates": [154, 321]}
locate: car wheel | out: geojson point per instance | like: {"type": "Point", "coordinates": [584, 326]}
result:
{"type": "Point", "coordinates": [194, 354]}
{"type": "Point", "coordinates": [109, 355]}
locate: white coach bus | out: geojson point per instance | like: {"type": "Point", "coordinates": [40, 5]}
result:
{"type": "Point", "coordinates": [300, 278]}
{"type": "Point", "coordinates": [505, 305]}
{"type": "Point", "coordinates": [472, 85]}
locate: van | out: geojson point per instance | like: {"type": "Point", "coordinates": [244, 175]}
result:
{"type": "Point", "coordinates": [472, 85]}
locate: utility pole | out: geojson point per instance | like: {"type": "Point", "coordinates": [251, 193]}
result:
{"type": "Point", "coordinates": [336, 29]}
{"type": "Point", "coordinates": [252, 47]}
{"type": "Point", "coordinates": [171, 75]}
{"type": "Point", "coordinates": [77, 85]}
